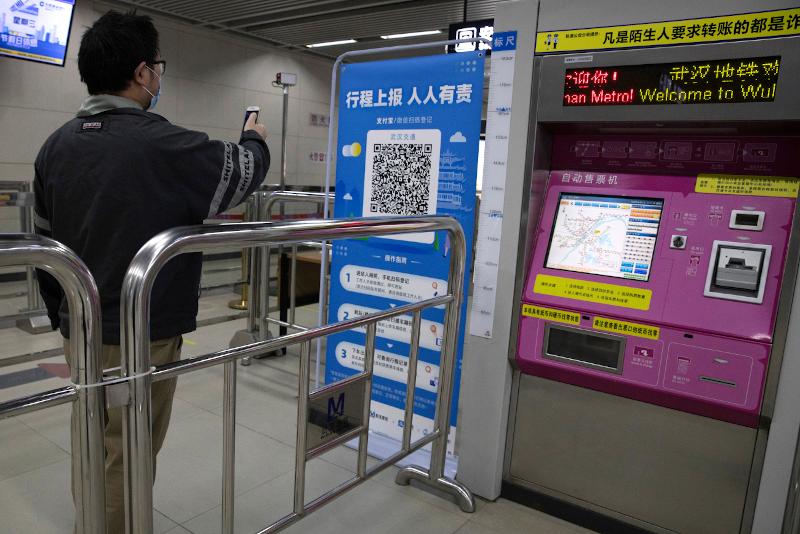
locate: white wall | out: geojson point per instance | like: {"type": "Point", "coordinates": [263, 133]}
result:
{"type": "Point", "coordinates": [210, 80]}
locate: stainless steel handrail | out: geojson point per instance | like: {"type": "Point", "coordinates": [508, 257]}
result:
{"type": "Point", "coordinates": [266, 215]}
{"type": "Point", "coordinates": [23, 198]}
{"type": "Point", "coordinates": [260, 265]}
{"type": "Point", "coordinates": [86, 367]}
{"type": "Point", "coordinates": [135, 315]}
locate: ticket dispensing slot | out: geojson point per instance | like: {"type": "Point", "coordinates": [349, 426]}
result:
{"type": "Point", "coordinates": [718, 381]}
{"type": "Point", "coordinates": [738, 272]}
{"type": "Point", "coordinates": [604, 352]}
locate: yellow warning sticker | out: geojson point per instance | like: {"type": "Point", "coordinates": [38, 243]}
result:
{"type": "Point", "coordinates": [551, 314]}
{"type": "Point", "coordinates": [625, 297]}
{"type": "Point", "coordinates": [759, 25]}
{"type": "Point", "coordinates": [757, 186]}
{"type": "Point", "coordinates": [621, 327]}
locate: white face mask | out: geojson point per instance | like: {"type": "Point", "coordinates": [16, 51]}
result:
{"type": "Point", "coordinates": [154, 98]}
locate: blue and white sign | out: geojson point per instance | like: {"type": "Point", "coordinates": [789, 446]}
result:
{"type": "Point", "coordinates": [408, 140]}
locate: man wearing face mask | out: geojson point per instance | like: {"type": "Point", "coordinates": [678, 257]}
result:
{"type": "Point", "coordinates": [114, 177]}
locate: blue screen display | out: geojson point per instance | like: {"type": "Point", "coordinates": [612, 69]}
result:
{"type": "Point", "coordinates": [606, 236]}
{"type": "Point", "coordinates": [37, 30]}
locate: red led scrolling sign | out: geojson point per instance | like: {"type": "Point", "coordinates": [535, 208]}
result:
{"type": "Point", "coordinates": [726, 81]}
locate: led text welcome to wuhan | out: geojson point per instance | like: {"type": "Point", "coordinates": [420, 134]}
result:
{"type": "Point", "coordinates": [702, 82]}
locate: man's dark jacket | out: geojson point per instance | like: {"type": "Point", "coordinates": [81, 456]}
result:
{"type": "Point", "coordinates": [108, 182]}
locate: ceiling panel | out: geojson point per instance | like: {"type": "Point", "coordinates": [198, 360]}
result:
{"type": "Point", "coordinates": [293, 24]}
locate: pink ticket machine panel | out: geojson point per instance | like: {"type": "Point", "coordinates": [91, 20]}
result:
{"type": "Point", "coordinates": [662, 289]}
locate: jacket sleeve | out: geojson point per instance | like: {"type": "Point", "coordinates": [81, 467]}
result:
{"type": "Point", "coordinates": [49, 288]}
{"type": "Point", "coordinates": [215, 175]}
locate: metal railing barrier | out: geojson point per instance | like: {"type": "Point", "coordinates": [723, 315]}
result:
{"type": "Point", "coordinates": [17, 194]}
{"type": "Point", "coordinates": [266, 215]}
{"type": "Point", "coordinates": [86, 367]}
{"type": "Point", "coordinates": [315, 435]}
{"type": "Point", "coordinates": [260, 267]}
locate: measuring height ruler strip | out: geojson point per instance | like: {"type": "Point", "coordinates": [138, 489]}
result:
{"type": "Point", "coordinates": [490, 218]}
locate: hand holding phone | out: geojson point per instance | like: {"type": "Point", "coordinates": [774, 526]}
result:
{"type": "Point", "coordinates": [251, 122]}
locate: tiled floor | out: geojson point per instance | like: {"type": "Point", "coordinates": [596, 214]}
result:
{"type": "Point", "coordinates": [34, 458]}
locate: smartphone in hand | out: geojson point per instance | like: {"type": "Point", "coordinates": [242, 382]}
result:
{"type": "Point", "coordinates": [250, 111]}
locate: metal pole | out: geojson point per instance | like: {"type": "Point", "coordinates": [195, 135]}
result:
{"type": "Point", "coordinates": [283, 138]}
{"type": "Point", "coordinates": [447, 362]}
{"type": "Point", "coordinates": [86, 367]}
{"type": "Point", "coordinates": [302, 419]}
{"type": "Point", "coordinates": [369, 360]}
{"type": "Point", "coordinates": [284, 134]}
{"type": "Point", "coordinates": [242, 303]}
{"type": "Point", "coordinates": [263, 325]}
{"type": "Point", "coordinates": [36, 302]}
{"type": "Point", "coordinates": [411, 383]}
{"type": "Point", "coordinates": [254, 292]}
{"type": "Point", "coordinates": [26, 227]}
{"type": "Point", "coordinates": [229, 447]}
{"type": "Point", "coordinates": [293, 287]}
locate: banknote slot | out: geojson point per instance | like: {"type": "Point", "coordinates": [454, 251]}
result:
{"type": "Point", "coordinates": [585, 348]}
{"type": "Point", "coordinates": [718, 381]}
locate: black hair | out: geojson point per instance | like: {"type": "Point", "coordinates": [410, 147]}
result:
{"type": "Point", "coordinates": [113, 47]}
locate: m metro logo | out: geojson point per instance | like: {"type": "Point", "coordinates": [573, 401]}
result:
{"type": "Point", "coordinates": [336, 409]}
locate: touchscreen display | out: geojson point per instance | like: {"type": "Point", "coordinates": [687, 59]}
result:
{"type": "Point", "coordinates": [607, 236]}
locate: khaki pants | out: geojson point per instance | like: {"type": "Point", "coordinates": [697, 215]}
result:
{"type": "Point", "coordinates": [161, 352]}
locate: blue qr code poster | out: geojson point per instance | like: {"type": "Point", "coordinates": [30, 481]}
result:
{"type": "Point", "coordinates": [408, 143]}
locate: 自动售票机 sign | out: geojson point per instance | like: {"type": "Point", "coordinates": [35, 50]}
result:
{"type": "Point", "coordinates": [408, 141]}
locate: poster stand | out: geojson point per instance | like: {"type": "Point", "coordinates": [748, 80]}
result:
{"type": "Point", "coordinates": [382, 445]}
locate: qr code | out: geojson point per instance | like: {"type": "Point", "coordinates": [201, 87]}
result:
{"type": "Point", "coordinates": [401, 178]}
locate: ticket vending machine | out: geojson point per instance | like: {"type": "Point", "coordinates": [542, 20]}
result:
{"type": "Point", "coordinates": [657, 283]}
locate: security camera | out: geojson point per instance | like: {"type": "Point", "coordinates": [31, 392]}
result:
{"type": "Point", "coordinates": [285, 78]}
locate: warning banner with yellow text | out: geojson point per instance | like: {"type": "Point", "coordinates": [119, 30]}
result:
{"type": "Point", "coordinates": [551, 314]}
{"type": "Point", "coordinates": [621, 327]}
{"type": "Point", "coordinates": [758, 25]}
{"type": "Point", "coordinates": [625, 297]}
{"type": "Point", "coordinates": [757, 186]}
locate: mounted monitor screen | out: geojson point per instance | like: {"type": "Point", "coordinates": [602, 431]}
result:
{"type": "Point", "coordinates": [606, 236]}
{"type": "Point", "coordinates": [725, 81]}
{"type": "Point", "coordinates": [36, 30]}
